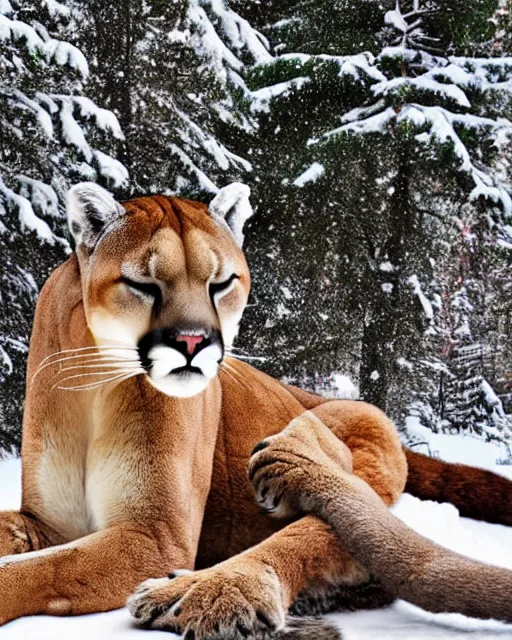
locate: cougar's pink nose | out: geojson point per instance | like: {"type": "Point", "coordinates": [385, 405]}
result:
{"type": "Point", "coordinates": [190, 341]}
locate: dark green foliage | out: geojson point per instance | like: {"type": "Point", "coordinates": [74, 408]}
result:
{"type": "Point", "coordinates": [364, 271]}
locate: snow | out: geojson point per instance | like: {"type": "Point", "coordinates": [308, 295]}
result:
{"type": "Point", "coordinates": [111, 169]}
{"type": "Point", "coordinates": [425, 303]}
{"type": "Point", "coordinates": [203, 180]}
{"type": "Point", "coordinates": [57, 9]}
{"type": "Point", "coordinates": [395, 19]}
{"type": "Point", "coordinates": [209, 44]}
{"type": "Point", "coordinates": [472, 450]}
{"type": "Point", "coordinates": [21, 31]}
{"type": "Point", "coordinates": [5, 360]}
{"type": "Point", "coordinates": [192, 135]}
{"type": "Point", "coordinates": [344, 387]}
{"type": "Point", "coordinates": [104, 118]}
{"type": "Point", "coordinates": [310, 175]}
{"type": "Point", "coordinates": [424, 82]}
{"type": "Point", "coordinates": [374, 123]}
{"type": "Point", "coordinates": [62, 53]}
{"type": "Point", "coordinates": [41, 195]}
{"type": "Point", "coordinates": [27, 216]}
{"type": "Point", "coordinates": [5, 7]}
{"type": "Point", "coordinates": [238, 33]}
{"type": "Point", "coordinates": [65, 53]}
{"type": "Point", "coordinates": [43, 117]}
{"type": "Point", "coordinates": [402, 621]}
{"type": "Point", "coordinates": [352, 65]}
{"type": "Point", "coordinates": [262, 97]}
{"type": "Point", "coordinates": [447, 79]}
{"type": "Point", "coordinates": [490, 396]}
{"type": "Point", "coordinates": [72, 133]}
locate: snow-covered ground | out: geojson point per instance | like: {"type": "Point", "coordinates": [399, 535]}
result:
{"type": "Point", "coordinates": [440, 522]}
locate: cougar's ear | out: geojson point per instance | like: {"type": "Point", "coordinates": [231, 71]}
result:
{"type": "Point", "coordinates": [232, 207]}
{"type": "Point", "coordinates": [90, 208]}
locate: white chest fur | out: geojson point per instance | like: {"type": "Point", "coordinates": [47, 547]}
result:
{"type": "Point", "coordinates": [84, 488]}
{"type": "Point", "coordinates": [62, 478]}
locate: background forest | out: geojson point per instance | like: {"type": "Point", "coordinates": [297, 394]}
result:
{"type": "Point", "coordinates": [375, 135]}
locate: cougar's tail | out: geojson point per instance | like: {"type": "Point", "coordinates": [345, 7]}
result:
{"type": "Point", "coordinates": [307, 629]}
{"type": "Point", "coordinates": [408, 565]}
{"type": "Point", "coordinates": [477, 494]}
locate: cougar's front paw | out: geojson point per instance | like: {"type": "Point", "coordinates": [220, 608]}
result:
{"type": "Point", "coordinates": [294, 469]}
{"type": "Point", "coordinates": [235, 600]}
{"type": "Point", "coordinates": [152, 598]}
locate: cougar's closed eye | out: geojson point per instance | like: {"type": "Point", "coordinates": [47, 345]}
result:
{"type": "Point", "coordinates": [148, 289]}
{"type": "Point", "coordinates": [220, 287]}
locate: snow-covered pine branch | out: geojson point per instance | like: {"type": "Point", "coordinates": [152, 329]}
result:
{"type": "Point", "coordinates": [51, 135]}
{"type": "Point", "coordinates": [411, 34]}
{"type": "Point", "coordinates": [404, 162]}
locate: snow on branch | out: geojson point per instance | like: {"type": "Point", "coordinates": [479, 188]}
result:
{"type": "Point", "coordinates": [26, 214]}
{"type": "Point", "coordinates": [62, 53]}
{"type": "Point", "coordinates": [409, 26]}
{"type": "Point", "coordinates": [262, 97]}
{"type": "Point", "coordinates": [202, 179]}
{"type": "Point", "coordinates": [371, 124]}
{"type": "Point", "coordinates": [43, 117]}
{"type": "Point", "coordinates": [425, 302]}
{"type": "Point", "coordinates": [448, 78]}
{"type": "Point", "coordinates": [114, 171]}
{"type": "Point", "coordinates": [425, 82]}
{"type": "Point", "coordinates": [42, 196]}
{"type": "Point", "coordinates": [191, 134]}
{"type": "Point", "coordinates": [57, 9]}
{"type": "Point", "coordinates": [72, 132]}
{"type": "Point", "coordinates": [315, 171]}
{"type": "Point", "coordinates": [105, 119]}
{"type": "Point", "coordinates": [358, 65]}
{"type": "Point", "coordinates": [239, 35]}
{"type": "Point", "coordinates": [441, 124]}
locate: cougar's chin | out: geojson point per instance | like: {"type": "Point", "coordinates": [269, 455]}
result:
{"type": "Point", "coordinates": [185, 384]}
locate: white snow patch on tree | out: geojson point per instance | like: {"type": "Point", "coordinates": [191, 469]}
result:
{"type": "Point", "coordinates": [114, 171]}
{"type": "Point", "coordinates": [425, 302]}
{"type": "Point", "coordinates": [310, 175]}
{"type": "Point", "coordinates": [344, 387]}
{"type": "Point", "coordinates": [28, 219]}
{"type": "Point", "coordinates": [262, 97]}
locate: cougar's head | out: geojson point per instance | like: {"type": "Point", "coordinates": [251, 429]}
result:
{"type": "Point", "coordinates": [165, 277]}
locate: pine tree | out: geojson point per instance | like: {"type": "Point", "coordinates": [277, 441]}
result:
{"type": "Point", "coordinates": [502, 22]}
{"type": "Point", "coordinates": [175, 88]}
{"type": "Point", "coordinates": [51, 135]}
{"type": "Point", "coordinates": [380, 158]}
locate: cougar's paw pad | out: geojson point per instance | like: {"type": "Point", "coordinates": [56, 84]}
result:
{"type": "Point", "coordinates": [235, 604]}
{"type": "Point", "coordinates": [155, 598]}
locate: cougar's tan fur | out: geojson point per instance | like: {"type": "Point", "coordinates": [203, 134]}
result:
{"type": "Point", "coordinates": [309, 470]}
{"type": "Point", "coordinates": [122, 482]}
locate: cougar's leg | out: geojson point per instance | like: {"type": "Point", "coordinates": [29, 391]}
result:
{"type": "Point", "coordinates": [91, 574]}
{"type": "Point", "coordinates": [20, 533]}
